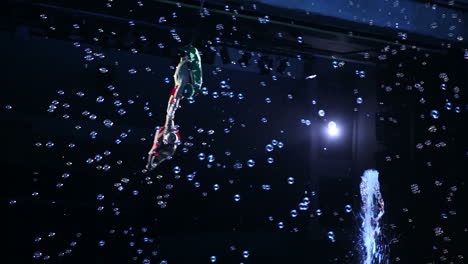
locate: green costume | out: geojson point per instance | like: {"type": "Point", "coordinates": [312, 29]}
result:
{"type": "Point", "coordinates": [194, 86]}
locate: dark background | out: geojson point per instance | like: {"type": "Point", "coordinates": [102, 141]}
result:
{"type": "Point", "coordinates": [200, 222]}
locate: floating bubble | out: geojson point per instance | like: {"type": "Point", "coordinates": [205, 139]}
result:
{"type": "Point", "coordinates": [250, 163]}
{"type": "Point", "coordinates": [211, 158]}
{"type": "Point", "coordinates": [448, 106]}
{"type": "Point", "coordinates": [435, 114]}
{"type": "Point", "coordinates": [415, 189]}
{"type": "Point", "coordinates": [121, 112]}
{"type": "Point", "coordinates": [93, 134]}
{"type": "Point", "coordinates": [108, 123]}
{"type": "Point", "coordinates": [237, 165]}
{"type": "Point", "coordinates": [37, 254]}
{"type": "Point", "coordinates": [103, 70]}
{"type": "Point", "coordinates": [348, 208]}
{"type": "Point", "coordinates": [293, 213]}
{"type": "Point", "coordinates": [321, 113]}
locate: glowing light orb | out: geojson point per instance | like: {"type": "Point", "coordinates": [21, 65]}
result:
{"type": "Point", "coordinates": [333, 130]}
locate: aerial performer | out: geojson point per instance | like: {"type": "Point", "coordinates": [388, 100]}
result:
{"type": "Point", "coordinates": [188, 81]}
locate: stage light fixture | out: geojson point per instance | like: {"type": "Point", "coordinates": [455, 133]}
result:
{"type": "Point", "coordinates": [333, 130]}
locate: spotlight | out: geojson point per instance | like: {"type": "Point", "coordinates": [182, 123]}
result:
{"type": "Point", "coordinates": [332, 129]}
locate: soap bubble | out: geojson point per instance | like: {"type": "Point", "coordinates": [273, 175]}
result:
{"type": "Point", "coordinates": [103, 70]}
{"type": "Point", "coordinates": [294, 213]}
{"type": "Point", "coordinates": [108, 123]}
{"type": "Point", "coordinates": [348, 208]}
{"type": "Point", "coordinates": [93, 134]}
{"type": "Point", "coordinates": [211, 158]}
{"type": "Point", "coordinates": [37, 254]}
{"type": "Point", "coordinates": [201, 156]}
{"type": "Point", "coordinates": [237, 165]}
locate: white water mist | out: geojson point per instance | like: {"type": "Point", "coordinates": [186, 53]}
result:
{"type": "Point", "coordinates": [372, 210]}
